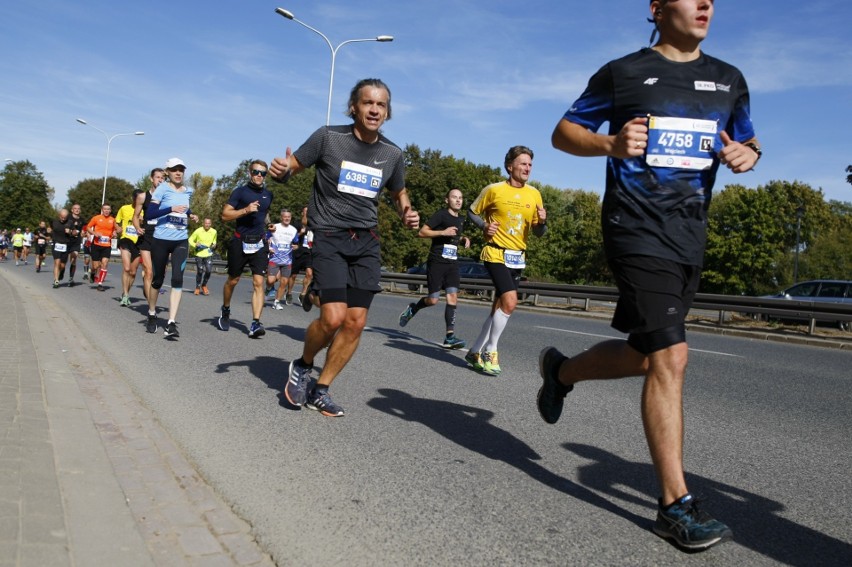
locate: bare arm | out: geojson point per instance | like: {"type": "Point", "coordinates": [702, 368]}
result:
{"type": "Point", "coordinates": [409, 217]}
{"type": "Point", "coordinates": [578, 140]}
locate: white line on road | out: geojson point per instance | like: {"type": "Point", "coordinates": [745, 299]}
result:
{"type": "Point", "coordinates": [622, 338]}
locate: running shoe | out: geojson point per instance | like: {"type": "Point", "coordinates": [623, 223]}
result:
{"type": "Point", "coordinates": [38, 269]}
{"type": "Point", "coordinates": [256, 330]}
{"type": "Point", "coordinates": [307, 299]}
{"type": "Point", "coordinates": [551, 395]}
{"type": "Point", "coordinates": [197, 291]}
{"type": "Point", "coordinates": [204, 290]}
{"type": "Point", "coordinates": [320, 401]}
{"type": "Point", "coordinates": [490, 364]}
{"type": "Point", "coordinates": [225, 319]}
{"type": "Point", "coordinates": [270, 293]}
{"type": "Point", "coordinates": [277, 305]}
{"type": "Point", "coordinates": [171, 330]}
{"type": "Point", "coordinates": [474, 360]}
{"type": "Point", "coordinates": [85, 276]}
{"type": "Point", "coordinates": [297, 383]}
{"type": "Point", "coordinates": [100, 287]}
{"type": "Point", "coordinates": [688, 526]}
{"type": "Point", "coordinates": [288, 299]}
{"type": "Point", "coordinates": [453, 342]}
{"type": "Point", "coordinates": [151, 324]}
{"type": "Point", "coordinates": [125, 300]}
{"type": "Point", "coordinates": [406, 315]}
{"type": "Point", "coordinates": [56, 284]}
{"type": "Point", "coordinates": [71, 282]}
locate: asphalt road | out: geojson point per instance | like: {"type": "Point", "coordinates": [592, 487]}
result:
{"type": "Point", "coordinates": [434, 464]}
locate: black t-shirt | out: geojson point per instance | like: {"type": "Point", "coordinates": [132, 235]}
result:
{"type": "Point", "coordinates": [252, 224]}
{"type": "Point", "coordinates": [58, 230]}
{"type": "Point", "coordinates": [75, 224]}
{"type": "Point", "coordinates": [41, 236]}
{"type": "Point", "coordinates": [444, 249]}
{"type": "Point", "coordinates": [349, 175]}
{"type": "Point", "coordinates": [661, 210]}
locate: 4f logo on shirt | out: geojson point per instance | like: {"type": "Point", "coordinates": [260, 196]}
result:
{"type": "Point", "coordinates": [651, 81]}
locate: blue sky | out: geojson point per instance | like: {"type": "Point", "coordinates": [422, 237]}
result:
{"type": "Point", "coordinates": [217, 82]}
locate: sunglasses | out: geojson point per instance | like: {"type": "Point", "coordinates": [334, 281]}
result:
{"type": "Point", "coordinates": [258, 172]}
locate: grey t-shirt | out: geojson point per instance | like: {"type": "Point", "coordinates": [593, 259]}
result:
{"type": "Point", "coordinates": [349, 176]}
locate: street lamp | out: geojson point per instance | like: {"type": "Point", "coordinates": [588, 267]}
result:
{"type": "Point", "coordinates": [109, 141]}
{"type": "Point", "coordinates": [381, 38]}
{"type": "Point", "coordinates": [800, 211]}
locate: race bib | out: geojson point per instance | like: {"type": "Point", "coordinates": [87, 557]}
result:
{"type": "Point", "coordinates": [177, 220]}
{"type": "Point", "coordinates": [450, 252]}
{"type": "Point", "coordinates": [105, 240]}
{"type": "Point", "coordinates": [683, 143]}
{"type": "Point", "coordinates": [361, 180]}
{"type": "Point", "coordinates": [252, 247]}
{"type": "Point", "coordinates": [131, 231]}
{"type": "Point", "coordinates": [514, 259]}
{"type": "Point", "coordinates": [57, 247]}
{"type": "Point", "coordinates": [41, 241]}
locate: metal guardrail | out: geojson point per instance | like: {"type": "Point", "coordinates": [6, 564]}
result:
{"type": "Point", "coordinates": [811, 311]}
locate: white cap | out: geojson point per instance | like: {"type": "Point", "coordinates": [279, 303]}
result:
{"type": "Point", "coordinates": [174, 162]}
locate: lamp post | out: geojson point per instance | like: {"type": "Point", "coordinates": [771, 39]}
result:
{"type": "Point", "coordinates": [109, 141]}
{"type": "Point", "coordinates": [381, 38]}
{"type": "Point", "coordinates": [800, 211]}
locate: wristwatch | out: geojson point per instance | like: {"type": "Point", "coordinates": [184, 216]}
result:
{"type": "Point", "coordinates": [756, 149]}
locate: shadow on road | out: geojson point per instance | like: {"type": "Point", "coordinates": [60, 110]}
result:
{"type": "Point", "coordinates": [470, 427]}
{"type": "Point", "coordinates": [419, 346]}
{"type": "Point", "coordinates": [755, 520]}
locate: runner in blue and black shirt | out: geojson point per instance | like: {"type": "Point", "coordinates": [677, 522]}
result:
{"type": "Point", "coordinates": [675, 114]}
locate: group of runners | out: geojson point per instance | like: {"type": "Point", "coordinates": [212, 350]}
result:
{"type": "Point", "coordinates": [675, 115]}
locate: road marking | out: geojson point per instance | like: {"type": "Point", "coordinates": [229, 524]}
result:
{"type": "Point", "coordinates": [622, 338]}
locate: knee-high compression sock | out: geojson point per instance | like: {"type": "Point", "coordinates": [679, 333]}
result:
{"type": "Point", "coordinates": [450, 318]}
{"type": "Point", "coordinates": [498, 324]}
{"type": "Point", "coordinates": [483, 336]}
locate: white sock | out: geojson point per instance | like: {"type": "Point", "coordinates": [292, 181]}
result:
{"type": "Point", "coordinates": [498, 324]}
{"type": "Point", "coordinates": [483, 336]}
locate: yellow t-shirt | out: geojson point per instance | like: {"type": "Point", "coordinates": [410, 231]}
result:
{"type": "Point", "coordinates": [515, 209]}
{"type": "Point", "coordinates": [205, 237]}
{"type": "Point", "coordinates": [124, 218]}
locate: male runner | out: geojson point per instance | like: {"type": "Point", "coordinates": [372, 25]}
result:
{"type": "Point", "coordinates": [75, 239]}
{"type": "Point", "coordinates": [249, 206]}
{"type": "Point", "coordinates": [203, 241]}
{"type": "Point", "coordinates": [674, 115]}
{"type": "Point", "coordinates": [353, 163]}
{"type": "Point", "coordinates": [60, 232]}
{"type": "Point", "coordinates": [507, 212]}
{"type": "Point", "coordinates": [442, 267]}
{"type": "Point", "coordinates": [102, 228]}
{"type": "Point", "coordinates": [282, 237]}
{"type": "Point", "coordinates": [42, 235]}
{"type": "Point", "coordinates": [302, 262]}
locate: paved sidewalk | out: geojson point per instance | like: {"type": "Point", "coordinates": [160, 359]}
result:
{"type": "Point", "coordinates": [88, 477]}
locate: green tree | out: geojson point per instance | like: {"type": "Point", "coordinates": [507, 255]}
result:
{"type": "Point", "coordinates": [200, 203]}
{"type": "Point", "coordinates": [88, 194]}
{"type": "Point", "coordinates": [25, 196]}
{"type": "Point", "coordinates": [752, 236]}
{"type": "Point", "coordinates": [571, 250]}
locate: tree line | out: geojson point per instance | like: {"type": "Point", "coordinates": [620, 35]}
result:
{"type": "Point", "coordinates": [756, 236]}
